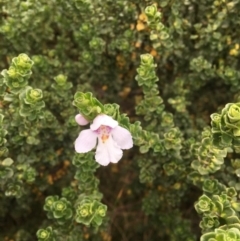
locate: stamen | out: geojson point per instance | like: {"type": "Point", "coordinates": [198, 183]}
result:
{"type": "Point", "coordinates": [104, 138]}
{"type": "Point", "coordinates": [103, 132]}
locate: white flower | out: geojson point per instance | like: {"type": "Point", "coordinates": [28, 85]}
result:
{"type": "Point", "coordinates": [111, 137]}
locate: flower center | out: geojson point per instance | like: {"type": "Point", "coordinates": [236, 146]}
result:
{"type": "Point", "coordinates": [103, 133]}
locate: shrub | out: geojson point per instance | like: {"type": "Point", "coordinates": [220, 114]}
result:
{"type": "Point", "coordinates": [161, 76]}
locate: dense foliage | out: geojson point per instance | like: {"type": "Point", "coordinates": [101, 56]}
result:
{"type": "Point", "coordinates": [165, 71]}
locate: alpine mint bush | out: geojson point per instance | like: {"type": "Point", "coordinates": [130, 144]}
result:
{"type": "Point", "coordinates": [119, 120]}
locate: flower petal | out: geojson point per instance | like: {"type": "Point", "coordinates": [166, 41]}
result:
{"type": "Point", "coordinates": [122, 137]}
{"type": "Point", "coordinates": [107, 152]}
{"type": "Point", "coordinates": [103, 120]}
{"type": "Point", "coordinates": [86, 141]}
{"type": "Point", "coordinates": [81, 120]}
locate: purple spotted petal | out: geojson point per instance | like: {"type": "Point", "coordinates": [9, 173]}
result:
{"type": "Point", "coordinates": [108, 152]}
{"type": "Point", "coordinates": [86, 141]}
{"type": "Point", "coordinates": [122, 137]}
{"type": "Point", "coordinates": [103, 120]}
{"type": "Point", "coordinates": [81, 120]}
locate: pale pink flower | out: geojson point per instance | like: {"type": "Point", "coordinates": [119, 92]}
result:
{"type": "Point", "coordinates": [109, 137]}
{"type": "Point", "coordinates": [81, 120]}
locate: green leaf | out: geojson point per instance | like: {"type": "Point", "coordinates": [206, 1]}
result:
{"type": "Point", "coordinates": [208, 237]}
{"type": "Point", "coordinates": [236, 206]}
{"type": "Point", "coordinates": [7, 162]}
